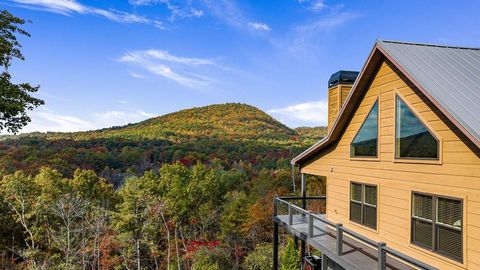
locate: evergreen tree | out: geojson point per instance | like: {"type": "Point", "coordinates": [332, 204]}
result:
{"type": "Point", "coordinates": [290, 258]}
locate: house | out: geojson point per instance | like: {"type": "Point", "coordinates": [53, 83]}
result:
{"type": "Point", "coordinates": [401, 162]}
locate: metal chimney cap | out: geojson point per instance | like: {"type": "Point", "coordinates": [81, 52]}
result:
{"type": "Point", "coordinates": [342, 77]}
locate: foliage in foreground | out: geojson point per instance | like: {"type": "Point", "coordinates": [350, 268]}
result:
{"type": "Point", "coordinates": [182, 217]}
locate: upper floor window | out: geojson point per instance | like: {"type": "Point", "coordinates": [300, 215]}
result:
{"type": "Point", "coordinates": [363, 204]}
{"type": "Point", "coordinates": [437, 224]}
{"type": "Point", "coordinates": [365, 143]}
{"type": "Point", "coordinates": [412, 138]}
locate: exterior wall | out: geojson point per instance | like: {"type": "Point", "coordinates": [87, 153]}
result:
{"type": "Point", "coordinates": [456, 174]}
{"type": "Point", "coordinates": [336, 97]}
{"type": "Point", "coordinates": [333, 105]}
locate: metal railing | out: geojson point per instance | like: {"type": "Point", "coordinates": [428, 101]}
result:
{"type": "Point", "coordinates": [310, 217]}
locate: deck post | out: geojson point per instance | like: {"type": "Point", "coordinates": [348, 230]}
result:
{"type": "Point", "coordinates": [290, 215]}
{"type": "Point", "coordinates": [310, 225]}
{"type": "Point", "coordinates": [339, 239]}
{"type": "Point", "coordinates": [304, 192]}
{"type": "Point", "coordinates": [324, 262]}
{"type": "Point", "coordinates": [275, 245]}
{"type": "Point", "coordinates": [304, 206]}
{"type": "Point", "coordinates": [382, 256]}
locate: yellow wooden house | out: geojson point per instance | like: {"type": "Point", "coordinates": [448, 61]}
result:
{"type": "Point", "coordinates": [401, 162]}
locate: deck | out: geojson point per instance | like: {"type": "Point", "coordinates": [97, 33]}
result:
{"type": "Point", "coordinates": [355, 252]}
{"type": "Point", "coordinates": [355, 255]}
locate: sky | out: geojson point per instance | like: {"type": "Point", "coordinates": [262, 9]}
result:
{"type": "Point", "coordinates": [103, 63]}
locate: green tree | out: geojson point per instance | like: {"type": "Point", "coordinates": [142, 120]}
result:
{"type": "Point", "coordinates": [15, 99]}
{"type": "Point", "coordinates": [290, 258]}
{"type": "Point", "coordinates": [20, 192]}
{"type": "Point", "coordinates": [212, 259]}
{"type": "Point", "coordinates": [233, 215]}
{"type": "Point", "coordinates": [260, 258]}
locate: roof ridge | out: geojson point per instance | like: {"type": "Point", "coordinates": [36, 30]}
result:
{"type": "Point", "coordinates": [427, 44]}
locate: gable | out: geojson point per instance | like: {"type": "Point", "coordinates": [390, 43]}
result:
{"type": "Point", "coordinates": [387, 83]}
{"type": "Point", "coordinates": [363, 82]}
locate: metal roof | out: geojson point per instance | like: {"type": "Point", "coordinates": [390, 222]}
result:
{"type": "Point", "coordinates": [451, 75]}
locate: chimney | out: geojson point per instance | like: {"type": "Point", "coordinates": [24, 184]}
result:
{"type": "Point", "coordinates": [339, 85]}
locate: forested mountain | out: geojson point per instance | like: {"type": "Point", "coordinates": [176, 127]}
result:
{"type": "Point", "coordinates": [224, 135]}
{"type": "Point", "coordinates": [187, 190]}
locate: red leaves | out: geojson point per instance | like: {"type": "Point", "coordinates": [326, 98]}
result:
{"type": "Point", "coordinates": [193, 246]}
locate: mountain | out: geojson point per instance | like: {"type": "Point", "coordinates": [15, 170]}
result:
{"type": "Point", "coordinates": [230, 120]}
{"type": "Point", "coordinates": [222, 134]}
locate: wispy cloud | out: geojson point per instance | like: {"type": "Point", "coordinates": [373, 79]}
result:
{"type": "Point", "coordinates": [137, 75]}
{"type": "Point", "coordinates": [177, 10]}
{"type": "Point", "coordinates": [231, 14]}
{"type": "Point", "coordinates": [44, 119]}
{"type": "Point", "coordinates": [163, 63]}
{"type": "Point", "coordinates": [321, 5]}
{"type": "Point", "coordinates": [260, 26]}
{"type": "Point", "coordinates": [303, 39]}
{"type": "Point", "coordinates": [70, 7]}
{"type": "Point", "coordinates": [118, 118]}
{"type": "Point", "coordinates": [308, 113]}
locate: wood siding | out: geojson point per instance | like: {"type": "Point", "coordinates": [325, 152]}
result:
{"type": "Point", "coordinates": [456, 174]}
{"type": "Point", "coordinates": [336, 97]}
{"type": "Point", "coordinates": [333, 105]}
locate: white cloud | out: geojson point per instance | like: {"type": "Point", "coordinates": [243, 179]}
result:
{"type": "Point", "coordinates": [119, 118]}
{"type": "Point", "coordinates": [163, 63]}
{"type": "Point", "coordinates": [228, 12]}
{"type": "Point", "coordinates": [44, 119]}
{"type": "Point", "coordinates": [184, 10]}
{"type": "Point", "coordinates": [164, 55]}
{"type": "Point", "coordinates": [259, 26]}
{"type": "Point", "coordinates": [137, 75]}
{"type": "Point", "coordinates": [303, 39]}
{"type": "Point", "coordinates": [318, 5]}
{"type": "Point", "coordinates": [69, 7]}
{"type": "Point", "coordinates": [309, 113]}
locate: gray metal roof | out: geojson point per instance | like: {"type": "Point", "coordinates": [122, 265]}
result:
{"type": "Point", "coordinates": [451, 75]}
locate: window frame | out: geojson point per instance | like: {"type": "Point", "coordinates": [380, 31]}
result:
{"type": "Point", "coordinates": [435, 224]}
{"type": "Point", "coordinates": [396, 156]}
{"type": "Point", "coordinates": [363, 204]}
{"type": "Point", "coordinates": [376, 157]}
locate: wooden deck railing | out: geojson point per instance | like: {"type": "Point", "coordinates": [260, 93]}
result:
{"type": "Point", "coordinates": [381, 247]}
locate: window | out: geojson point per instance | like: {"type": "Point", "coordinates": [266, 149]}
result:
{"type": "Point", "coordinates": [363, 204]}
{"type": "Point", "coordinates": [365, 142]}
{"type": "Point", "coordinates": [437, 224]}
{"type": "Point", "coordinates": [412, 138]}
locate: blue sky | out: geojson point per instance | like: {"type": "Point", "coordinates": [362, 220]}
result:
{"type": "Point", "coordinates": [111, 62]}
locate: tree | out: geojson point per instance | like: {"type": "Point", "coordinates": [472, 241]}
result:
{"type": "Point", "coordinates": [290, 256]}
{"type": "Point", "coordinates": [20, 192]}
{"type": "Point", "coordinates": [260, 258]}
{"type": "Point", "coordinates": [212, 259]}
{"type": "Point", "coordinates": [234, 214]}
{"type": "Point", "coordinates": [15, 99]}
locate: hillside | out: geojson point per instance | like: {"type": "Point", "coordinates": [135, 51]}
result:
{"type": "Point", "coordinates": [231, 120]}
{"type": "Point", "coordinates": [225, 135]}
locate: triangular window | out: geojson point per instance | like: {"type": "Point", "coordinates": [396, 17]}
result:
{"type": "Point", "coordinates": [412, 138]}
{"type": "Point", "coordinates": [365, 142]}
